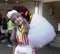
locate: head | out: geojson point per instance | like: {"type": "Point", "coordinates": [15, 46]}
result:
{"type": "Point", "coordinates": [15, 17]}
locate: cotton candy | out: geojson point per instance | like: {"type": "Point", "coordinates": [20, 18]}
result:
{"type": "Point", "coordinates": [41, 31]}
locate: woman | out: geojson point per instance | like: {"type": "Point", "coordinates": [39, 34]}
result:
{"type": "Point", "coordinates": [20, 31]}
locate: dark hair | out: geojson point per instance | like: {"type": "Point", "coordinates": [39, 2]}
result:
{"type": "Point", "coordinates": [15, 8]}
{"type": "Point", "coordinates": [0, 15]}
{"type": "Point", "coordinates": [23, 9]}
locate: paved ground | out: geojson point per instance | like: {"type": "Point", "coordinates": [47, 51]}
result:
{"type": "Point", "coordinates": [48, 50]}
{"type": "Point", "coordinates": [4, 49]}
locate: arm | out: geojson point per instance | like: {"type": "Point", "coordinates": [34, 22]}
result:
{"type": "Point", "coordinates": [13, 36]}
{"type": "Point", "coordinates": [13, 39]}
{"type": "Point", "coordinates": [26, 26]}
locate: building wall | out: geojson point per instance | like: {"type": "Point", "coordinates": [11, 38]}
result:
{"type": "Point", "coordinates": [4, 8]}
{"type": "Point", "coordinates": [50, 15]}
{"type": "Point", "coordinates": [29, 5]}
{"type": "Point", "coordinates": [56, 9]}
{"type": "Point", "coordinates": [50, 0]}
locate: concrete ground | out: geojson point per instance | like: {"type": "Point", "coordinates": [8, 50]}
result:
{"type": "Point", "coordinates": [48, 50]}
{"type": "Point", "coordinates": [4, 49]}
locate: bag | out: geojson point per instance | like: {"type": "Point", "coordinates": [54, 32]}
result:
{"type": "Point", "coordinates": [24, 49]}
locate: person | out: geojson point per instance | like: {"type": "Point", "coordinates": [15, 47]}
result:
{"type": "Point", "coordinates": [20, 31]}
{"type": "Point", "coordinates": [3, 29]}
{"type": "Point", "coordinates": [24, 12]}
{"type": "Point", "coordinates": [10, 26]}
{"type": "Point", "coordinates": [0, 22]}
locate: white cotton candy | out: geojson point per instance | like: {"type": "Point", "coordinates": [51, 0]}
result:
{"type": "Point", "coordinates": [41, 31]}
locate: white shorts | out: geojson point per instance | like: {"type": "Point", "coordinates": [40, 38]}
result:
{"type": "Point", "coordinates": [24, 49]}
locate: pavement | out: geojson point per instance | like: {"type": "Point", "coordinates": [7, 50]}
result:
{"type": "Point", "coordinates": [48, 50]}
{"type": "Point", "coordinates": [4, 49]}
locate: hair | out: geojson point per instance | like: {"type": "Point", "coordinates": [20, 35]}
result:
{"type": "Point", "coordinates": [23, 9]}
{"type": "Point", "coordinates": [0, 15]}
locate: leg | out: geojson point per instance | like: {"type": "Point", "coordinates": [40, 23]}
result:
{"type": "Point", "coordinates": [14, 42]}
